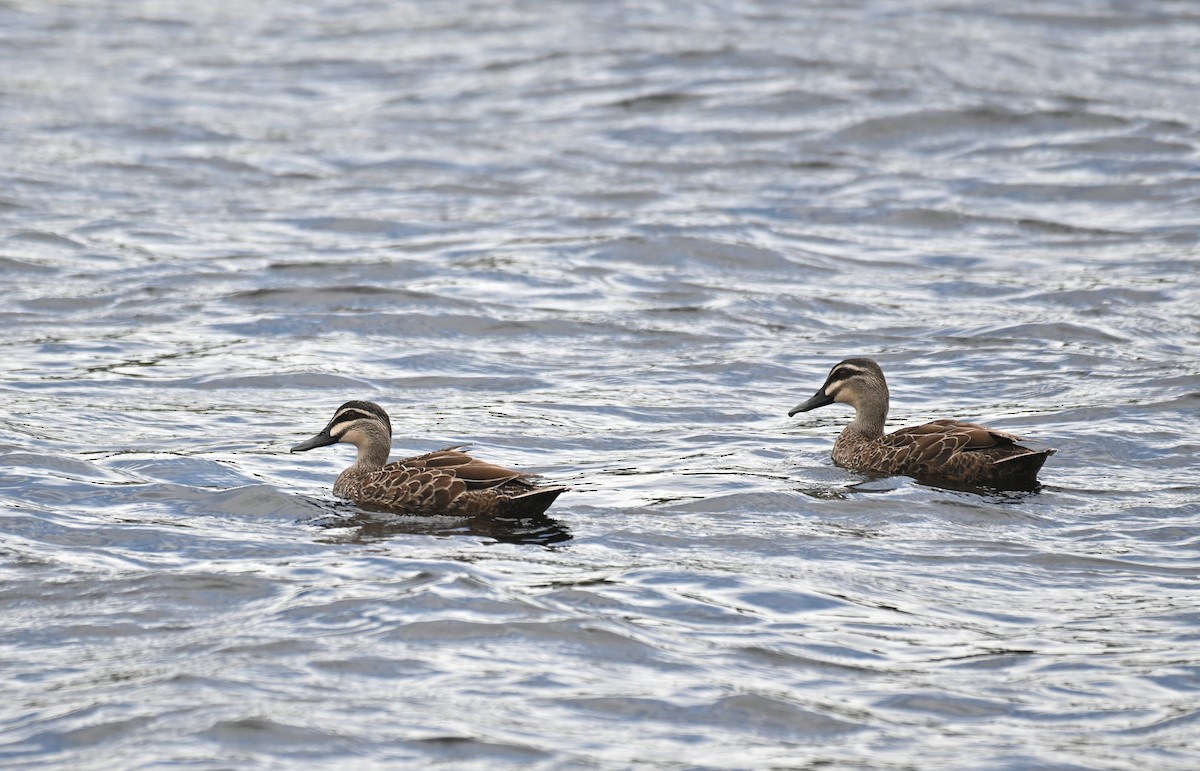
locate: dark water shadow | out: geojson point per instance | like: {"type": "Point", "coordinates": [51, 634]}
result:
{"type": "Point", "coordinates": [1011, 494]}
{"type": "Point", "coordinates": [351, 524]}
{"type": "Point", "coordinates": [881, 483]}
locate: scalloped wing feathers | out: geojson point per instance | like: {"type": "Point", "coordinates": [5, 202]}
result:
{"type": "Point", "coordinates": [946, 451]}
{"type": "Point", "coordinates": [474, 472]}
{"type": "Point", "coordinates": [446, 482]}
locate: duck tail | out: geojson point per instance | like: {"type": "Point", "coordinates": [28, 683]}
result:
{"type": "Point", "coordinates": [1023, 468]}
{"type": "Point", "coordinates": [533, 503]}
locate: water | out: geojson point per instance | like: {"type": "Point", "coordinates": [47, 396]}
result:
{"type": "Point", "coordinates": [612, 243]}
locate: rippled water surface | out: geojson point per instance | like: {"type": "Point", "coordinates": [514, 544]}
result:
{"type": "Point", "coordinates": [612, 243]}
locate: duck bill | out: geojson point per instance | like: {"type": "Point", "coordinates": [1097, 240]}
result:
{"type": "Point", "coordinates": [320, 440]}
{"type": "Point", "coordinates": [819, 399]}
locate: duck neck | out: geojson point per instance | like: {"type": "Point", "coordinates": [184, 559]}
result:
{"type": "Point", "coordinates": [374, 445]}
{"type": "Point", "coordinates": [870, 414]}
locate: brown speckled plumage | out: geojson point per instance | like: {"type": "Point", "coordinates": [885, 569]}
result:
{"type": "Point", "coordinates": [443, 482]}
{"type": "Point", "coordinates": [948, 453]}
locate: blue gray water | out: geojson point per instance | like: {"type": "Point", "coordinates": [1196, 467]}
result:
{"type": "Point", "coordinates": [612, 243]}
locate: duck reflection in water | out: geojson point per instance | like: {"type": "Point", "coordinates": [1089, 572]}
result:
{"type": "Point", "coordinates": [367, 527]}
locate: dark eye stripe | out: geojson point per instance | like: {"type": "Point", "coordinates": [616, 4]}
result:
{"type": "Point", "coordinates": [349, 416]}
{"type": "Point", "coordinates": [355, 410]}
{"type": "Point", "coordinates": [844, 372]}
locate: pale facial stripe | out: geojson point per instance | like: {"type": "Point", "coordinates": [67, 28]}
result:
{"type": "Point", "coordinates": [345, 418]}
{"type": "Point", "coordinates": [838, 377]}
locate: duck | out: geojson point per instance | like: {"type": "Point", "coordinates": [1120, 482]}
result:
{"type": "Point", "coordinates": [942, 453]}
{"type": "Point", "coordinates": [446, 481]}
